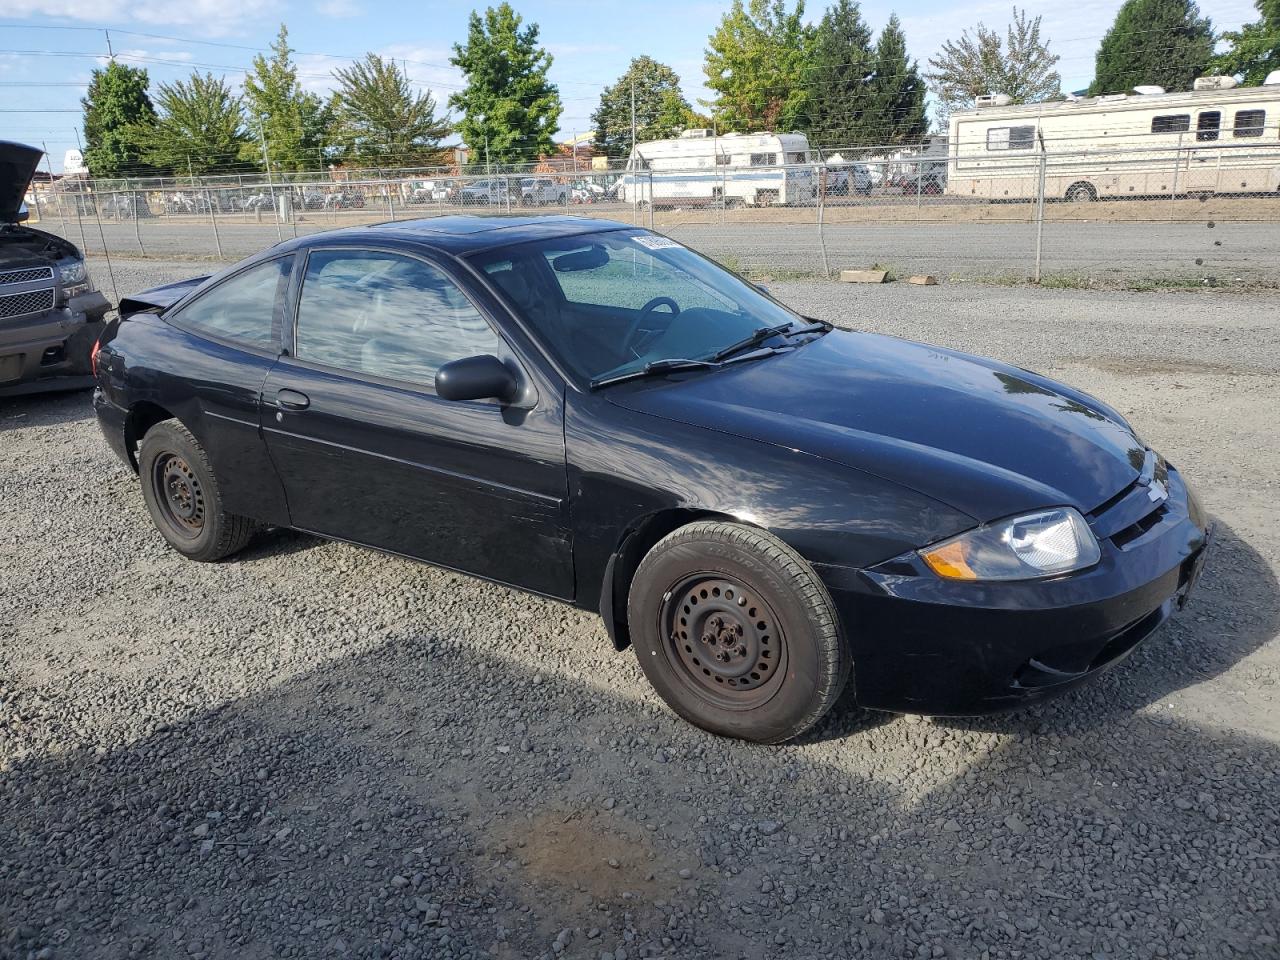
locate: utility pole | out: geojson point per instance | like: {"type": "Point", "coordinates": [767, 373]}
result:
{"type": "Point", "coordinates": [635, 171]}
{"type": "Point", "coordinates": [111, 54]}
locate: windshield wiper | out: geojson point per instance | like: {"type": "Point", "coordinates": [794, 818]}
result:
{"type": "Point", "coordinates": [759, 336]}
{"type": "Point", "coordinates": [655, 366]}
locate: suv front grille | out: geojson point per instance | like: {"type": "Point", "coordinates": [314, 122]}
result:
{"type": "Point", "coordinates": [22, 304]}
{"type": "Point", "coordinates": [26, 275]}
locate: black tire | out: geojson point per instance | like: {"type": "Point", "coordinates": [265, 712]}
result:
{"type": "Point", "coordinates": [736, 632]}
{"type": "Point", "coordinates": [182, 495]}
{"type": "Point", "coordinates": [1081, 193]}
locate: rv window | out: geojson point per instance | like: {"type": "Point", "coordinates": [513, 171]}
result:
{"type": "Point", "coordinates": [722, 159]}
{"type": "Point", "coordinates": [795, 158]}
{"type": "Point", "coordinates": [1171, 123]}
{"type": "Point", "coordinates": [763, 159]}
{"type": "Point", "coordinates": [1011, 138]}
{"type": "Point", "coordinates": [1207, 125]}
{"type": "Point", "coordinates": [1249, 123]}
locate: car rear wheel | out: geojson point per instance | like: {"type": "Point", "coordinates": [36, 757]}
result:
{"type": "Point", "coordinates": [183, 498]}
{"type": "Point", "coordinates": [736, 632]}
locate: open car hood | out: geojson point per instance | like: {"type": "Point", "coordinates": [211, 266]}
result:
{"type": "Point", "coordinates": [17, 164]}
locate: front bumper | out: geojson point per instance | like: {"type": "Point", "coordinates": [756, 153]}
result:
{"type": "Point", "coordinates": [922, 644]}
{"type": "Point", "coordinates": [51, 350]}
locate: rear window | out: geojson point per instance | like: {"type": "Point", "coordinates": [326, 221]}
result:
{"type": "Point", "coordinates": [1171, 123]}
{"type": "Point", "coordinates": [1249, 123]}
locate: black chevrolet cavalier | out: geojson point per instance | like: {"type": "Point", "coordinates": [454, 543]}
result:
{"type": "Point", "coordinates": [765, 507]}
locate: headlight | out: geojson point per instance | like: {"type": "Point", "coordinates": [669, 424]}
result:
{"type": "Point", "coordinates": [1038, 544]}
{"type": "Point", "coordinates": [73, 273]}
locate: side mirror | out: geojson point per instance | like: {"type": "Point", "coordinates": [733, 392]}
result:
{"type": "Point", "coordinates": [476, 378]}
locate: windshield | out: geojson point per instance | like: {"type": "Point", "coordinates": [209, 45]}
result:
{"type": "Point", "coordinates": [609, 303]}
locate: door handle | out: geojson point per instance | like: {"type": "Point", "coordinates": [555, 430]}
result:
{"type": "Point", "coordinates": [292, 400]}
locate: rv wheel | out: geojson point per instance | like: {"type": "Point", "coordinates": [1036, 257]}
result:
{"type": "Point", "coordinates": [1081, 193]}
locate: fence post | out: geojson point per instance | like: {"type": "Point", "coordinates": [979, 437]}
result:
{"type": "Point", "coordinates": [106, 254]}
{"type": "Point", "coordinates": [137, 226]}
{"type": "Point", "coordinates": [822, 206]}
{"type": "Point", "coordinates": [1044, 159]}
{"type": "Point", "coordinates": [213, 219]}
{"type": "Point", "coordinates": [652, 205]}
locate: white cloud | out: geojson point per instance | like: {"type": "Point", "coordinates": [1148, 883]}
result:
{"type": "Point", "coordinates": [144, 57]}
{"type": "Point", "coordinates": [214, 17]}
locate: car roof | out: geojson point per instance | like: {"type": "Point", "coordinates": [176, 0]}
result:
{"type": "Point", "coordinates": [460, 235]}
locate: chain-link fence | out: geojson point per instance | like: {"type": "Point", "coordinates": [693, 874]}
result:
{"type": "Point", "coordinates": [1194, 214]}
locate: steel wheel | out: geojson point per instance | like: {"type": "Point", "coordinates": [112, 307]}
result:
{"type": "Point", "coordinates": [724, 641]}
{"type": "Point", "coordinates": [182, 499]}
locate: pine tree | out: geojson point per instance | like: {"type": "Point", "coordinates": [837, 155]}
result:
{"type": "Point", "coordinates": [510, 110]}
{"type": "Point", "coordinates": [839, 96]}
{"type": "Point", "coordinates": [897, 114]}
{"type": "Point", "coordinates": [116, 112]}
{"type": "Point", "coordinates": [377, 116]}
{"type": "Point", "coordinates": [1254, 49]}
{"type": "Point", "coordinates": [1163, 42]}
{"type": "Point", "coordinates": [661, 109]}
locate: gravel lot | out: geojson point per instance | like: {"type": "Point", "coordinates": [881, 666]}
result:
{"type": "Point", "coordinates": [313, 750]}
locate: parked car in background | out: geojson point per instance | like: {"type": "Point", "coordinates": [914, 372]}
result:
{"type": "Point", "coordinates": [764, 506]}
{"type": "Point", "coordinates": [587, 191]}
{"type": "Point", "coordinates": [431, 191]}
{"type": "Point", "coordinates": [847, 180]}
{"type": "Point", "coordinates": [479, 192]}
{"type": "Point", "coordinates": [50, 313]}
{"type": "Point", "coordinates": [541, 191]}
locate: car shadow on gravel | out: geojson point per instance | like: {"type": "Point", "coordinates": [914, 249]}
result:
{"type": "Point", "coordinates": [425, 799]}
{"type": "Point", "coordinates": [1234, 610]}
{"type": "Point", "coordinates": [44, 409]}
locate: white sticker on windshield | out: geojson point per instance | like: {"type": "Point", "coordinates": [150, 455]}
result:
{"type": "Point", "coordinates": [655, 242]}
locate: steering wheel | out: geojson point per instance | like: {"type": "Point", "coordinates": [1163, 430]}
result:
{"type": "Point", "coordinates": [629, 339]}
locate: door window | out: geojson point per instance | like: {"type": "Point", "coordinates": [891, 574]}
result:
{"type": "Point", "coordinates": [386, 316]}
{"type": "Point", "coordinates": [243, 309]}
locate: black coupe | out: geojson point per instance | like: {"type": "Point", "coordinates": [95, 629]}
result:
{"type": "Point", "coordinates": [765, 507]}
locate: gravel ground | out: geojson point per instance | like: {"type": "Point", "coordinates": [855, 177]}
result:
{"type": "Point", "coordinates": [313, 750]}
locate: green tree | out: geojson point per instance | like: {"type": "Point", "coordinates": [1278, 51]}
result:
{"type": "Point", "coordinates": [756, 62]}
{"type": "Point", "coordinates": [1018, 65]}
{"type": "Point", "coordinates": [896, 115]}
{"type": "Point", "coordinates": [1164, 42]}
{"type": "Point", "coordinates": [1254, 49]}
{"type": "Point", "coordinates": [116, 112]}
{"type": "Point", "coordinates": [838, 103]}
{"type": "Point", "coordinates": [509, 108]}
{"type": "Point", "coordinates": [378, 116]}
{"type": "Point", "coordinates": [660, 108]}
{"type": "Point", "coordinates": [293, 122]}
{"type": "Point", "coordinates": [200, 127]}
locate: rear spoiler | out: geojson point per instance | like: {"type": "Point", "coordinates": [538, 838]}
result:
{"type": "Point", "coordinates": [159, 298]}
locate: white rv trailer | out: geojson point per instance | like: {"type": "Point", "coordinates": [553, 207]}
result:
{"type": "Point", "coordinates": [699, 168]}
{"type": "Point", "coordinates": [1218, 138]}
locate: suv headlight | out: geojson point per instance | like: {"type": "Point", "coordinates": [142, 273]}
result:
{"type": "Point", "coordinates": [74, 277]}
{"type": "Point", "coordinates": [1041, 544]}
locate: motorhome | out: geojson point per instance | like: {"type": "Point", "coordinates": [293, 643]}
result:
{"type": "Point", "coordinates": [701, 168]}
{"type": "Point", "coordinates": [1217, 138]}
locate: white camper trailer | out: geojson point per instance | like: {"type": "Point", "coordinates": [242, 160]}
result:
{"type": "Point", "coordinates": [699, 168]}
{"type": "Point", "coordinates": [1217, 138]}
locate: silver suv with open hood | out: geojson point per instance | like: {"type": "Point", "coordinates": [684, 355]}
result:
{"type": "Point", "coordinates": [50, 313]}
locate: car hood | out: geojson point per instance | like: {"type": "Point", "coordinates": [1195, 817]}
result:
{"type": "Point", "coordinates": [17, 164]}
{"type": "Point", "coordinates": [978, 435]}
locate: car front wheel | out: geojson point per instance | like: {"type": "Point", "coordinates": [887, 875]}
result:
{"type": "Point", "coordinates": [182, 495]}
{"type": "Point", "coordinates": [736, 632]}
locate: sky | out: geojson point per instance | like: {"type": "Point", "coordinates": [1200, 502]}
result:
{"type": "Point", "coordinates": [49, 48]}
